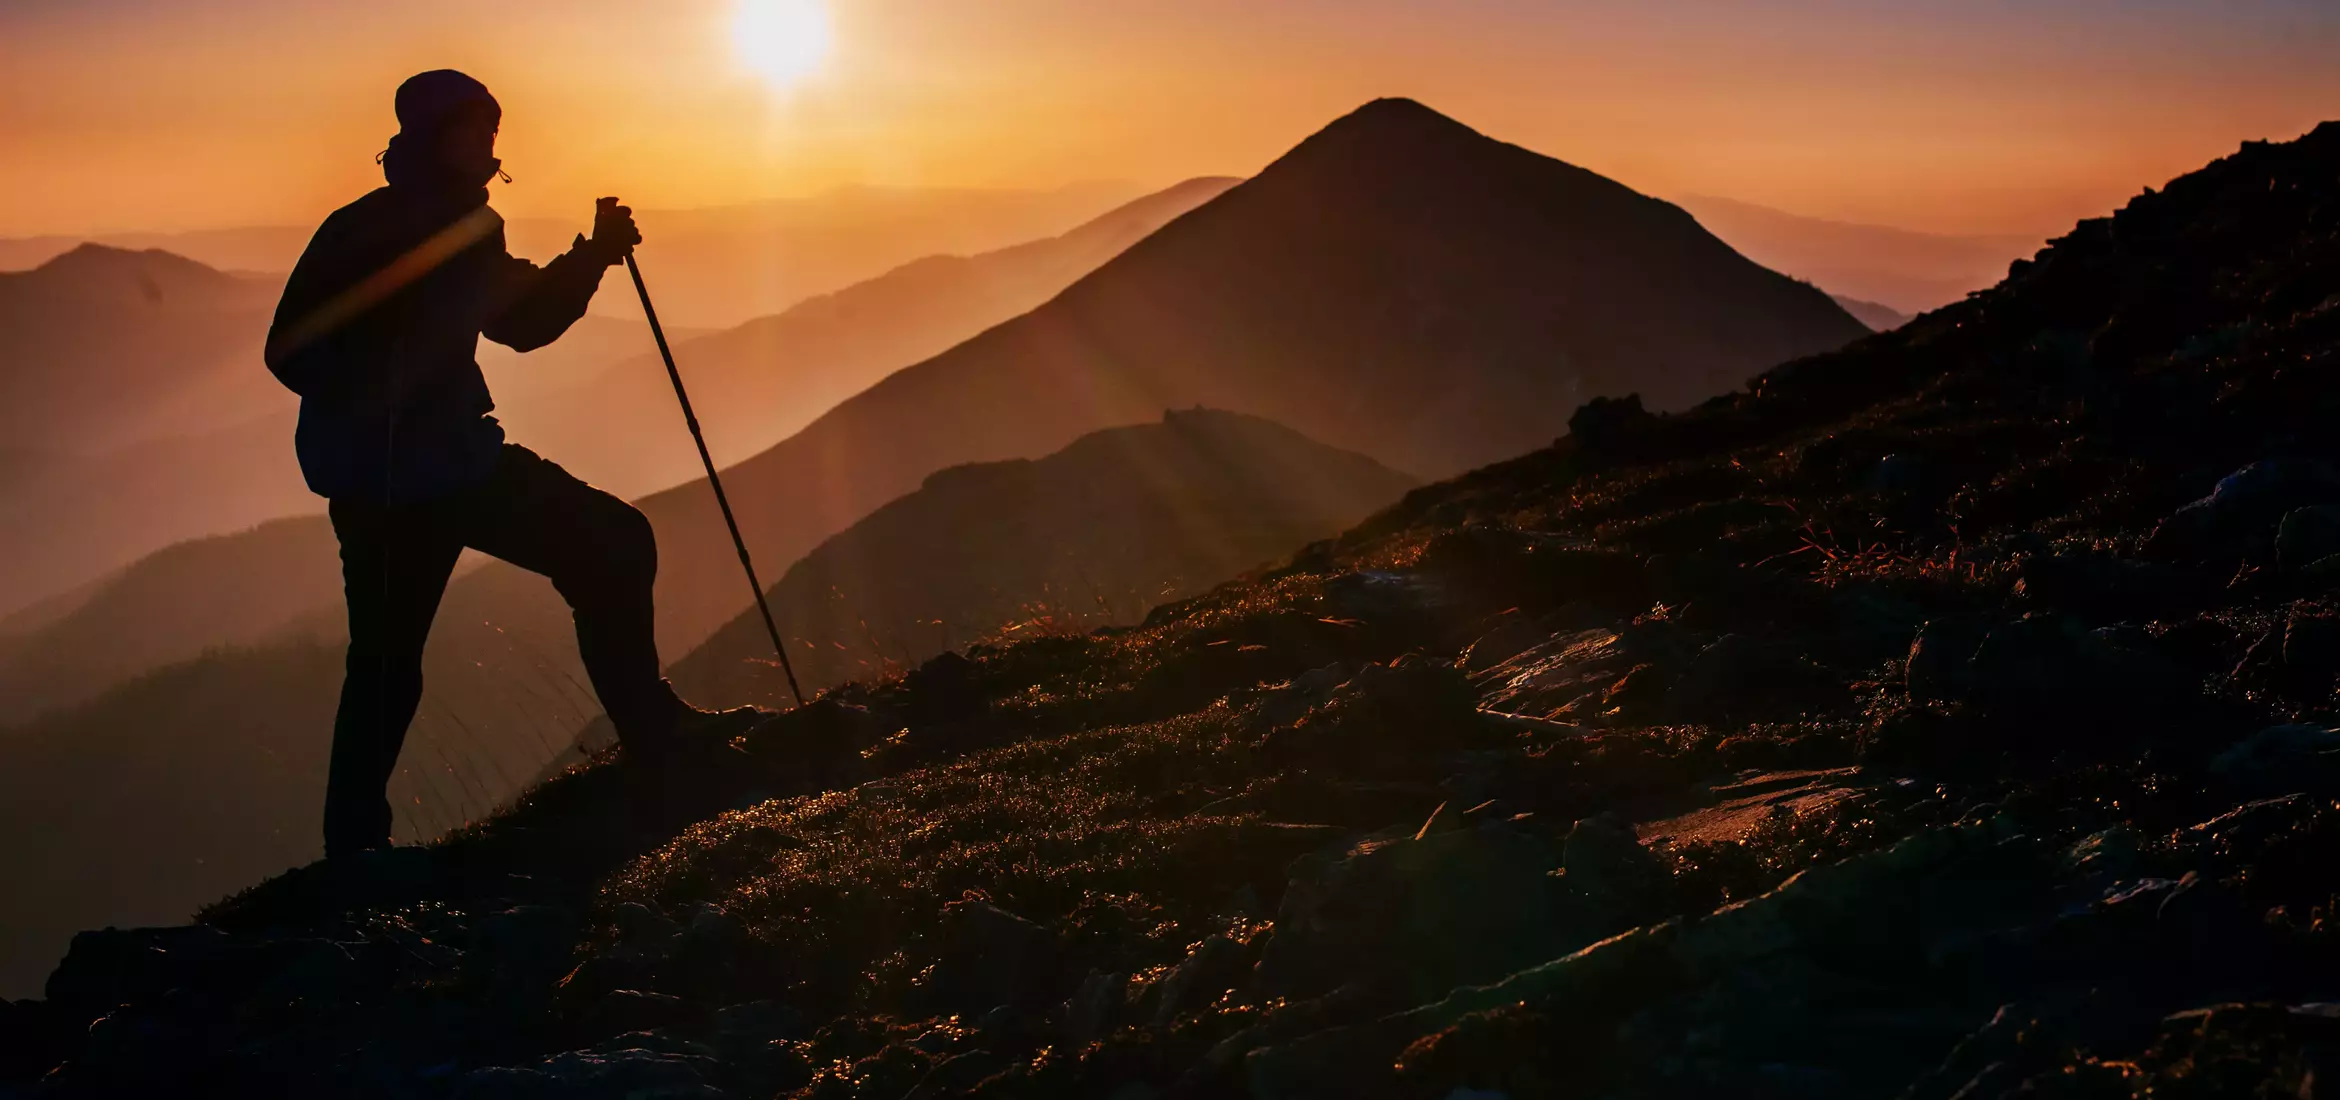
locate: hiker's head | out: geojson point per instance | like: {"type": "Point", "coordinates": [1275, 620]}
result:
{"type": "Point", "coordinates": [446, 132]}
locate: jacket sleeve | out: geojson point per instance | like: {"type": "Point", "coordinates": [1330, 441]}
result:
{"type": "Point", "coordinates": [301, 339]}
{"type": "Point", "coordinates": [534, 305]}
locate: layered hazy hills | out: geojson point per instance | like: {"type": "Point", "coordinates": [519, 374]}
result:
{"type": "Point", "coordinates": [720, 265]}
{"type": "Point", "coordinates": [137, 412]}
{"type": "Point", "coordinates": [615, 424]}
{"type": "Point", "coordinates": [225, 590]}
{"type": "Point", "coordinates": [1877, 315]}
{"type": "Point", "coordinates": [105, 347]}
{"type": "Point", "coordinates": [1903, 270]}
{"type": "Point", "coordinates": [1096, 534]}
{"type": "Point", "coordinates": [1398, 285]}
{"type": "Point", "coordinates": [134, 408]}
{"type": "Point", "coordinates": [762, 381]}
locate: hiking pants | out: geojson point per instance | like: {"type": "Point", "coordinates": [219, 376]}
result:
{"type": "Point", "coordinates": [395, 561]}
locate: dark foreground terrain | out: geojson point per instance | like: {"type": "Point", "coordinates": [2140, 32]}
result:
{"type": "Point", "coordinates": [1945, 717]}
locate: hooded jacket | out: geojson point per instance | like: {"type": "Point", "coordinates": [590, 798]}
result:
{"type": "Point", "coordinates": [379, 328]}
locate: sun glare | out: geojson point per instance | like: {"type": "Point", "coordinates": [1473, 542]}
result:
{"type": "Point", "coordinates": [782, 41]}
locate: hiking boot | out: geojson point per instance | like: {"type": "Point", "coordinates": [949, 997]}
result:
{"type": "Point", "coordinates": [697, 735]}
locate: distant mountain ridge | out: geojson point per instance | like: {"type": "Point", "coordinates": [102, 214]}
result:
{"type": "Point", "coordinates": [1093, 535]}
{"type": "Point", "coordinates": [1398, 284]}
{"type": "Point", "coordinates": [763, 380]}
{"type": "Point", "coordinates": [724, 264]}
{"type": "Point", "coordinates": [107, 347]}
{"type": "Point", "coordinates": [1905, 270]}
{"type": "Point", "coordinates": [72, 517]}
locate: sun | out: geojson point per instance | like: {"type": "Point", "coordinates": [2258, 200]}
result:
{"type": "Point", "coordinates": [782, 41]}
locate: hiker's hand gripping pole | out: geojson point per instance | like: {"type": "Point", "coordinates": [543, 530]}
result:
{"type": "Point", "coordinates": [724, 502]}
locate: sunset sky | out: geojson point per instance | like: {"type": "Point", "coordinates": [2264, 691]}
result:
{"type": "Point", "coordinates": [1965, 115]}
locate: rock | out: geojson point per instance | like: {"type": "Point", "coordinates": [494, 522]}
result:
{"type": "Point", "coordinates": [1216, 965]}
{"type": "Point", "coordinates": [2242, 510]}
{"type": "Point", "coordinates": [1095, 1007]}
{"type": "Point", "coordinates": [1941, 657]}
{"type": "Point", "coordinates": [34, 1037]}
{"type": "Point", "coordinates": [1385, 720]}
{"type": "Point", "coordinates": [631, 1074]}
{"type": "Point", "coordinates": [1428, 914]}
{"type": "Point", "coordinates": [1507, 640]}
{"type": "Point", "coordinates": [117, 966]}
{"type": "Point", "coordinates": [513, 957]}
{"type": "Point", "coordinates": [1740, 677]}
{"type": "Point", "coordinates": [1608, 427]}
{"type": "Point", "coordinates": [2311, 649]}
{"type": "Point", "coordinates": [989, 957]}
{"type": "Point", "coordinates": [2052, 671]}
{"type": "Point", "coordinates": [2105, 854]}
{"type": "Point", "coordinates": [2281, 759]}
{"type": "Point", "coordinates": [622, 1011]}
{"type": "Point", "coordinates": [1570, 674]}
{"type": "Point", "coordinates": [1604, 863]}
{"type": "Point", "coordinates": [2103, 587]}
{"type": "Point", "coordinates": [945, 689]}
{"type": "Point", "coordinates": [1288, 703]}
{"type": "Point", "coordinates": [2307, 535]}
{"type": "Point", "coordinates": [1643, 687]}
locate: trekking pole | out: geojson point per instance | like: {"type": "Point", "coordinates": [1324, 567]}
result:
{"type": "Point", "coordinates": [700, 438]}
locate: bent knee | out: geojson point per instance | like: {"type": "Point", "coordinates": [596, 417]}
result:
{"type": "Point", "coordinates": [631, 543]}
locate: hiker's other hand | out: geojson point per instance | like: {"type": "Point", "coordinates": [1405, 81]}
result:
{"type": "Point", "coordinates": [613, 227]}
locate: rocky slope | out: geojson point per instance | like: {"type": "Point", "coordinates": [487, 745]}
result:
{"type": "Point", "coordinates": [1941, 717]}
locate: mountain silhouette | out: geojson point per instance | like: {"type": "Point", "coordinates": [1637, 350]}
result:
{"type": "Point", "coordinates": [1092, 535]}
{"type": "Point", "coordinates": [132, 414]}
{"type": "Point", "coordinates": [1878, 316]}
{"type": "Point", "coordinates": [109, 347]}
{"type": "Point", "coordinates": [218, 592]}
{"type": "Point", "coordinates": [1398, 284]}
{"type": "Point", "coordinates": [763, 380]}
{"type": "Point", "coordinates": [718, 265]}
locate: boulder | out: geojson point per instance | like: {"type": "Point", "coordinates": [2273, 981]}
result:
{"type": "Point", "coordinates": [1216, 965]}
{"type": "Point", "coordinates": [2242, 510]}
{"type": "Point", "coordinates": [1742, 678]}
{"type": "Point", "coordinates": [1941, 657]}
{"type": "Point", "coordinates": [2107, 588]}
{"type": "Point", "coordinates": [2280, 759]}
{"type": "Point", "coordinates": [634, 1074]}
{"type": "Point", "coordinates": [1604, 865]}
{"type": "Point", "coordinates": [2306, 536]}
{"type": "Point", "coordinates": [2050, 669]}
{"type": "Point", "coordinates": [1423, 913]}
{"type": "Point", "coordinates": [1610, 427]}
{"type": "Point", "coordinates": [989, 957]}
{"type": "Point", "coordinates": [1385, 720]}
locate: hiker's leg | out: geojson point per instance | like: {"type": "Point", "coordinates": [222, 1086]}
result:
{"type": "Point", "coordinates": [601, 556]}
{"type": "Point", "coordinates": [394, 566]}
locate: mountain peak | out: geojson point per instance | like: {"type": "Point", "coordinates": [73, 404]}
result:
{"type": "Point", "coordinates": [1391, 128]}
{"type": "Point", "coordinates": [148, 265]}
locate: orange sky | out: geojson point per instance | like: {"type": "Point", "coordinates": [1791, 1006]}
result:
{"type": "Point", "coordinates": [1973, 115]}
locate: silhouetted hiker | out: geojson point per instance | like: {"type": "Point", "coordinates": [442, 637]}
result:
{"type": "Point", "coordinates": [377, 332]}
